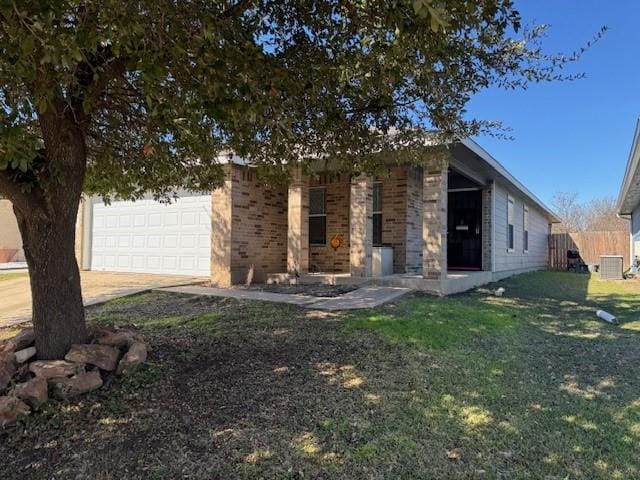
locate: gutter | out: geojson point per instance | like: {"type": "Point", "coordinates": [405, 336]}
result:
{"type": "Point", "coordinates": [632, 167]}
{"type": "Point", "coordinates": [497, 166]}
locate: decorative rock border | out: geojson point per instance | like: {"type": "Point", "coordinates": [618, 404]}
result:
{"type": "Point", "coordinates": [26, 383]}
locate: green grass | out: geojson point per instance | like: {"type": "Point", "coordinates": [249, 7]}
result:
{"type": "Point", "coordinates": [528, 386]}
{"type": "Point", "coordinates": [532, 383]}
{"type": "Point", "coordinates": [141, 310]}
{"type": "Point", "coordinates": [436, 323]}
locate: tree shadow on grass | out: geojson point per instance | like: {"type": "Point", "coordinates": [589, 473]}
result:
{"type": "Point", "coordinates": [277, 392]}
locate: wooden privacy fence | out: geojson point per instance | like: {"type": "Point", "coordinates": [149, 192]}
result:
{"type": "Point", "coordinates": [590, 245]}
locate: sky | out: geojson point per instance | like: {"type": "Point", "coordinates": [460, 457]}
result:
{"type": "Point", "coordinates": [572, 136]}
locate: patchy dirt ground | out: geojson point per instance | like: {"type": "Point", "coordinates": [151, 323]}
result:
{"type": "Point", "coordinates": [316, 290]}
{"type": "Point", "coordinates": [528, 386]}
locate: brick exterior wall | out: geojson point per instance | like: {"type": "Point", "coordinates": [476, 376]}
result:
{"type": "Point", "coordinates": [394, 209]}
{"type": "Point", "coordinates": [323, 258]}
{"type": "Point", "coordinates": [487, 228]}
{"type": "Point", "coordinates": [434, 223]}
{"type": "Point", "coordinates": [298, 224]}
{"type": "Point", "coordinates": [401, 220]}
{"type": "Point", "coordinates": [252, 218]}
{"type": "Point", "coordinates": [413, 214]}
{"type": "Point", "coordinates": [360, 226]}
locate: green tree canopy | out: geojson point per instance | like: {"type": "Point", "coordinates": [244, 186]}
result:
{"type": "Point", "coordinates": [124, 98]}
{"type": "Point", "coordinates": [161, 88]}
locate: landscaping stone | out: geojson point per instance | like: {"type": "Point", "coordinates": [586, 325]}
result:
{"type": "Point", "coordinates": [121, 338]}
{"type": "Point", "coordinates": [25, 338]}
{"type": "Point", "coordinates": [33, 391]}
{"type": "Point", "coordinates": [102, 356]}
{"type": "Point", "coordinates": [21, 371]}
{"type": "Point", "coordinates": [7, 369]}
{"type": "Point", "coordinates": [135, 356]}
{"type": "Point", "coordinates": [10, 409]}
{"type": "Point", "coordinates": [54, 368]}
{"type": "Point", "coordinates": [64, 388]}
{"type": "Point", "coordinates": [25, 354]}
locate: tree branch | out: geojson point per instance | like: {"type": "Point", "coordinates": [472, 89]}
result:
{"type": "Point", "coordinates": [32, 203]}
{"type": "Point", "coordinates": [236, 9]}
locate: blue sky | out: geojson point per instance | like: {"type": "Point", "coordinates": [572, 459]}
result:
{"type": "Point", "coordinates": [572, 136]}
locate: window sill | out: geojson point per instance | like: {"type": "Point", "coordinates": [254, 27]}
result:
{"type": "Point", "coordinates": [510, 250]}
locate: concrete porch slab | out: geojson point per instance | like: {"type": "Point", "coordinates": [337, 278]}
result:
{"type": "Point", "coordinates": [243, 294]}
{"type": "Point", "coordinates": [365, 297]}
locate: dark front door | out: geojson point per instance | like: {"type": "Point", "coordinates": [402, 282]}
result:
{"type": "Point", "coordinates": [464, 225]}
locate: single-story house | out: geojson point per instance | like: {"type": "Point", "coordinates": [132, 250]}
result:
{"type": "Point", "coordinates": [444, 229]}
{"type": "Point", "coordinates": [629, 197]}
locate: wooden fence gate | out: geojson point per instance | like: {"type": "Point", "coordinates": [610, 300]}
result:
{"type": "Point", "coordinates": [591, 246]}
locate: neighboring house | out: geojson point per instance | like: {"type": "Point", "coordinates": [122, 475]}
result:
{"type": "Point", "coordinates": [443, 229]}
{"type": "Point", "coordinates": [10, 240]}
{"type": "Point", "coordinates": [629, 197]}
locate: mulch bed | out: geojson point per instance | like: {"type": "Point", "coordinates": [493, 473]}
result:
{"type": "Point", "coordinates": [314, 290]}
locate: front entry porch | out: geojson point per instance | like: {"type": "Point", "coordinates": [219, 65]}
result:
{"type": "Point", "coordinates": [454, 282]}
{"type": "Point", "coordinates": [439, 231]}
{"type": "Point", "coordinates": [426, 228]}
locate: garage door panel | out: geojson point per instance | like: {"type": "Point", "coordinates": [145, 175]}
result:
{"type": "Point", "coordinates": [146, 236]}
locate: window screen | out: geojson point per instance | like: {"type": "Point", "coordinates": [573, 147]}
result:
{"type": "Point", "coordinates": [510, 230]}
{"type": "Point", "coordinates": [317, 216]}
{"type": "Point", "coordinates": [525, 229]}
{"type": "Point", "coordinates": [377, 213]}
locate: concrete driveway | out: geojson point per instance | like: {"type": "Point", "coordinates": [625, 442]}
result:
{"type": "Point", "coordinates": [97, 287]}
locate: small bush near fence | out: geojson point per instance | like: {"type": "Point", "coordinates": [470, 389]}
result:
{"type": "Point", "coordinates": [591, 246]}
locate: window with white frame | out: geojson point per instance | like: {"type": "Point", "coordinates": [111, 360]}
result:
{"type": "Point", "coordinates": [510, 228]}
{"type": "Point", "coordinates": [525, 229]}
{"type": "Point", "coordinates": [317, 216]}
{"type": "Point", "coordinates": [377, 213]}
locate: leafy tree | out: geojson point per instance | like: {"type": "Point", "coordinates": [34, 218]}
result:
{"type": "Point", "coordinates": [121, 98]}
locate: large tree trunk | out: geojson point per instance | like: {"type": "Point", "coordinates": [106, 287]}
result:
{"type": "Point", "coordinates": [47, 220]}
{"type": "Point", "coordinates": [58, 312]}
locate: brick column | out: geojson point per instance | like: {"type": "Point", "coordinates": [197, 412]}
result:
{"type": "Point", "coordinates": [434, 224]}
{"type": "Point", "coordinates": [361, 226]}
{"type": "Point", "coordinates": [487, 228]}
{"type": "Point", "coordinates": [298, 224]}
{"type": "Point", "coordinates": [221, 241]}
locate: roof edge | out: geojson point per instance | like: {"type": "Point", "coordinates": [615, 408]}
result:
{"type": "Point", "coordinates": [497, 166]}
{"type": "Point", "coordinates": [632, 166]}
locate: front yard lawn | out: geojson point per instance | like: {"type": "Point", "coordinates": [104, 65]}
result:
{"type": "Point", "coordinates": [526, 386]}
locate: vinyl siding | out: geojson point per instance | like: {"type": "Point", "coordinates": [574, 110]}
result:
{"type": "Point", "coordinates": [518, 260]}
{"type": "Point", "coordinates": [635, 233]}
{"type": "Point", "coordinates": [635, 222]}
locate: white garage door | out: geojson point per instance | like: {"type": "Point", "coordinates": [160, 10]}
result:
{"type": "Point", "coordinates": [149, 237]}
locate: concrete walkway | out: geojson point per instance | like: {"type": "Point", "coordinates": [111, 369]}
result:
{"type": "Point", "coordinates": [21, 266]}
{"type": "Point", "coordinates": [365, 297]}
{"type": "Point", "coordinates": [97, 287]}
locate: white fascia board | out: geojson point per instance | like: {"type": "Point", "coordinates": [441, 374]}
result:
{"type": "Point", "coordinates": [497, 166]}
{"type": "Point", "coordinates": [629, 173]}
